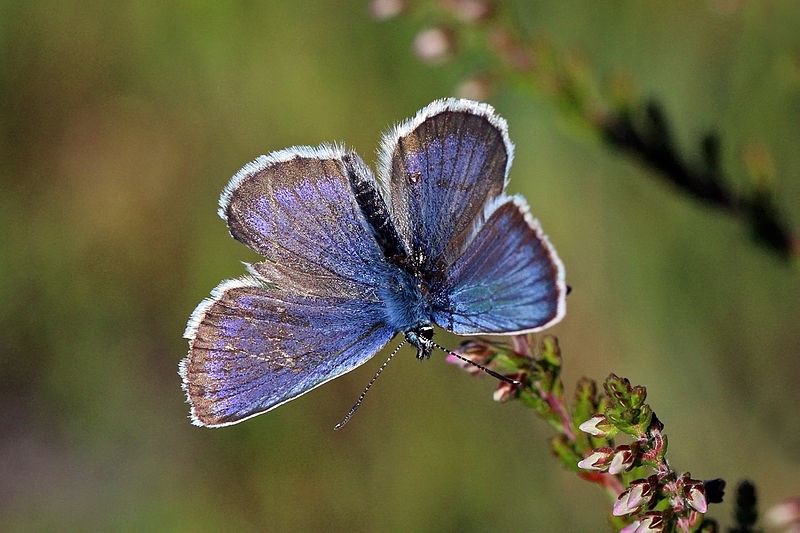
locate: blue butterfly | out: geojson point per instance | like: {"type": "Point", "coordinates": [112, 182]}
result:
{"type": "Point", "coordinates": [350, 261]}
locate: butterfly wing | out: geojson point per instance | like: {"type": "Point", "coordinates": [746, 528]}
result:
{"type": "Point", "coordinates": [508, 280]}
{"type": "Point", "coordinates": [310, 312]}
{"type": "Point", "coordinates": [439, 170]}
{"type": "Point", "coordinates": [490, 267]}
{"type": "Point", "coordinates": [253, 347]}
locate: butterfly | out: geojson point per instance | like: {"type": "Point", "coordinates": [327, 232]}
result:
{"type": "Point", "coordinates": [351, 261]}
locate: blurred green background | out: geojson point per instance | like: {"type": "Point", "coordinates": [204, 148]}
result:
{"type": "Point", "coordinates": [121, 122]}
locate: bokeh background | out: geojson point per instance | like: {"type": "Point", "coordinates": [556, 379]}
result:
{"type": "Point", "coordinates": [121, 122]}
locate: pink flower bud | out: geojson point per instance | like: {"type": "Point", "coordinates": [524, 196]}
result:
{"type": "Point", "coordinates": [695, 495]}
{"type": "Point", "coordinates": [598, 460]}
{"type": "Point", "coordinates": [598, 426]}
{"type": "Point", "coordinates": [649, 523]}
{"type": "Point", "coordinates": [504, 392]}
{"type": "Point", "coordinates": [453, 360]}
{"type": "Point", "coordinates": [477, 87]}
{"type": "Point", "coordinates": [687, 523]}
{"type": "Point", "coordinates": [634, 498]}
{"type": "Point", "coordinates": [785, 514]}
{"type": "Point", "coordinates": [386, 9]}
{"type": "Point", "coordinates": [656, 447]}
{"type": "Point", "coordinates": [474, 351]}
{"type": "Point", "coordinates": [522, 344]}
{"type": "Point", "coordinates": [653, 521]}
{"type": "Point", "coordinates": [434, 45]}
{"type": "Point", "coordinates": [623, 459]}
{"type": "Point", "coordinates": [470, 10]}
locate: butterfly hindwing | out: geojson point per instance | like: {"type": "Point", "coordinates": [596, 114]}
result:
{"type": "Point", "coordinates": [508, 280]}
{"type": "Point", "coordinates": [253, 348]}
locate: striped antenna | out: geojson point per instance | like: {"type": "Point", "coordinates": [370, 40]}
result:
{"type": "Point", "coordinates": [356, 405]}
{"type": "Point", "coordinates": [473, 363]}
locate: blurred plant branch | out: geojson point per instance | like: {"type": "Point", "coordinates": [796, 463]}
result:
{"type": "Point", "coordinates": [648, 494]}
{"type": "Point", "coordinates": [745, 512]}
{"type": "Point", "coordinates": [495, 39]}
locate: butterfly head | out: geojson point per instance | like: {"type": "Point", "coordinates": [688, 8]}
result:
{"type": "Point", "coordinates": [421, 338]}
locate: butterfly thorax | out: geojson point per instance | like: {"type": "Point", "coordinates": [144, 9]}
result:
{"type": "Point", "coordinates": [405, 304]}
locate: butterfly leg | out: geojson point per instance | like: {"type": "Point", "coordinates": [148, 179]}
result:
{"type": "Point", "coordinates": [420, 337]}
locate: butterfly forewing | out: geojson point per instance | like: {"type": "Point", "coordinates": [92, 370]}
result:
{"type": "Point", "coordinates": [297, 209]}
{"type": "Point", "coordinates": [309, 313]}
{"type": "Point", "coordinates": [441, 168]}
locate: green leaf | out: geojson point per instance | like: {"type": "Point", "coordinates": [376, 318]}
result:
{"type": "Point", "coordinates": [550, 352]}
{"type": "Point", "coordinates": [643, 419]}
{"type": "Point", "coordinates": [505, 364]}
{"type": "Point", "coordinates": [584, 406]}
{"type": "Point", "coordinates": [618, 522]}
{"type": "Point", "coordinates": [618, 390]}
{"type": "Point", "coordinates": [530, 398]}
{"type": "Point", "coordinates": [637, 396]}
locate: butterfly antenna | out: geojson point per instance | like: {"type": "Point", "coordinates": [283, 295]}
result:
{"type": "Point", "coordinates": [360, 400]}
{"type": "Point", "coordinates": [473, 363]}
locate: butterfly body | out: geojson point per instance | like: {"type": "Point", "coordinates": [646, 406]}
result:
{"type": "Point", "coordinates": [406, 306]}
{"type": "Point", "coordinates": [410, 294]}
{"type": "Point", "coordinates": [350, 261]}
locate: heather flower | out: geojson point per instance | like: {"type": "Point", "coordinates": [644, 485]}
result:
{"type": "Point", "coordinates": [598, 460]}
{"type": "Point", "coordinates": [785, 514]}
{"type": "Point", "coordinates": [523, 344]}
{"type": "Point", "coordinates": [695, 494]}
{"type": "Point", "coordinates": [650, 522]}
{"type": "Point", "coordinates": [505, 391]}
{"type": "Point", "coordinates": [434, 45]}
{"type": "Point", "coordinates": [624, 457]}
{"type": "Point", "coordinates": [470, 10]}
{"type": "Point", "coordinates": [598, 426]}
{"type": "Point", "coordinates": [688, 522]}
{"type": "Point", "coordinates": [475, 351]}
{"type": "Point", "coordinates": [633, 499]}
{"type": "Point", "coordinates": [656, 443]}
{"type": "Point", "coordinates": [664, 501]}
{"type": "Point", "coordinates": [386, 9]}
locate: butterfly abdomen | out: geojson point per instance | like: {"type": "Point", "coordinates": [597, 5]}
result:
{"type": "Point", "coordinates": [374, 210]}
